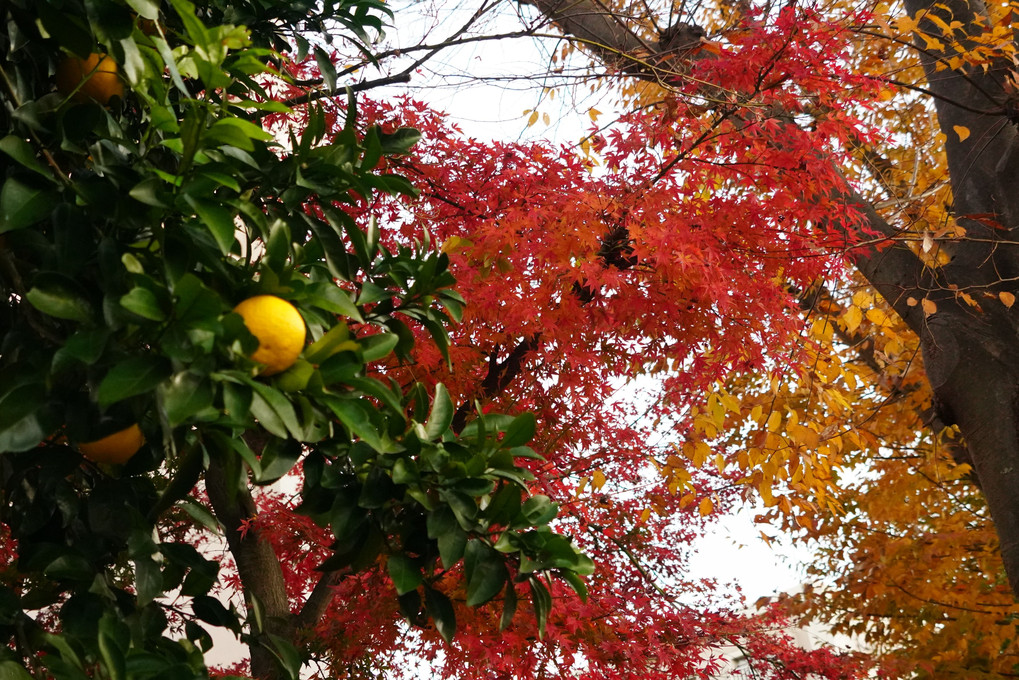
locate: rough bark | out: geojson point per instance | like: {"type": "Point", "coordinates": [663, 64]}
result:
{"type": "Point", "coordinates": [968, 354]}
{"type": "Point", "coordinates": [257, 565]}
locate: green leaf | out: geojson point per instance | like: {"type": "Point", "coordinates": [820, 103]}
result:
{"type": "Point", "coordinates": [504, 506]}
{"type": "Point", "coordinates": [285, 653]}
{"type": "Point", "coordinates": [441, 415]}
{"type": "Point", "coordinates": [85, 346]}
{"type": "Point", "coordinates": [541, 599]}
{"type": "Point", "coordinates": [150, 191]}
{"type": "Point", "coordinates": [295, 378]}
{"type": "Point", "coordinates": [354, 417]}
{"type": "Point", "coordinates": [148, 9]}
{"type": "Point", "coordinates": [131, 377]}
{"type": "Point", "coordinates": [185, 395]}
{"type": "Point", "coordinates": [519, 432]}
{"type": "Point", "coordinates": [452, 545]}
{"type": "Point", "coordinates": [20, 402]}
{"type": "Point", "coordinates": [333, 299]}
{"type": "Point", "coordinates": [400, 141]}
{"type": "Point", "coordinates": [327, 68]}
{"type": "Point", "coordinates": [375, 347]}
{"type": "Point", "coordinates": [23, 435]}
{"type": "Point", "coordinates": [485, 571]}
{"type": "Point", "coordinates": [21, 151]}
{"type": "Point", "coordinates": [509, 606]}
{"type": "Point", "coordinates": [274, 411]}
{"type": "Point", "coordinates": [211, 610]}
{"type": "Point", "coordinates": [328, 344]}
{"type": "Point", "coordinates": [218, 220]}
{"type": "Point", "coordinates": [12, 670]}
{"type": "Point", "coordinates": [539, 510]}
{"type": "Point", "coordinates": [405, 574]}
{"type": "Point", "coordinates": [372, 293]}
{"type": "Point", "coordinates": [70, 566]}
{"type": "Point", "coordinates": [237, 132]}
{"type": "Point", "coordinates": [55, 295]}
{"type": "Point", "coordinates": [195, 302]}
{"type": "Point", "coordinates": [148, 579]}
{"type": "Point", "coordinates": [22, 205]}
{"type": "Point", "coordinates": [143, 302]}
{"type": "Point", "coordinates": [440, 609]}
{"type": "Point", "coordinates": [440, 521]}
{"type": "Point", "coordinates": [201, 514]}
{"type": "Point", "coordinates": [278, 458]}
{"type": "Point", "coordinates": [576, 583]}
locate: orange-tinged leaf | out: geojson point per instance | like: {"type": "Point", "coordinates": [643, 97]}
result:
{"type": "Point", "coordinates": [1007, 299]}
{"type": "Point", "coordinates": [597, 480]}
{"type": "Point", "coordinates": [929, 307]}
{"type": "Point", "coordinates": [774, 421]}
{"type": "Point", "coordinates": [705, 507]}
{"type": "Point", "coordinates": [912, 301]}
{"type": "Point", "coordinates": [905, 24]}
{"type": "Point", "coordinates": [593, 115]}
{"type": "Point", "coordinates": [962, 131]}
{"type": "Point", "coordinates": [533, 118]}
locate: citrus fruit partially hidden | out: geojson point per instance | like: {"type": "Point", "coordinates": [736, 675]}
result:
{"type": "Point", "coordinates": [99, 72]}
{"type": "Point", "coordinates": [279, 328]}
{"type": "Point", "coordinates": [115, 448]}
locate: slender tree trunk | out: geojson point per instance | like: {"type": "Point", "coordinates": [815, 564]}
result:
{"type": "Point", "coordinates": [258, 567]}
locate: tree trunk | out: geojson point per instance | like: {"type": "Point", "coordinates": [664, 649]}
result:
{"type": "Point", "coordinates": [258, 567]}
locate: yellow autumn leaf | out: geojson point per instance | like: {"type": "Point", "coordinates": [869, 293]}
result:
{"type": "Point", "coordinates": [774, 421]}
{"type": "Point", "coordinates": [533, 118]}
{"type": "Point", "coordinates": [701, 453]}
{"type": "Point", "coordinates": [705, 507]}
{"type": "Point", "coordinates": [852, 318]}
{"type": "Point", "coordinates": [962, 131]}
{"type": "Point", "coordinates": [932, 43]}
{"type": "Point", "coordinates": [597, 480]}
{"type": "Point", "coordinates": [593, 115]}
{"type": "Point", "coordinates": [877, 316]}
{"type": "Point", "coordinates": [1007, 299]}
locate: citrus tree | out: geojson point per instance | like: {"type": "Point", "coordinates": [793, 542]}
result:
{"type": "Point", "coordinates": [191, 312]}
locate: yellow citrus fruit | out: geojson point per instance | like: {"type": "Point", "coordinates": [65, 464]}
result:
{"type": "Point", "coordinates": [100, 74]}
{"type": "Point", "coordinates": [279, 328]}
{"type": "Point", "coordinates": [115, 448]}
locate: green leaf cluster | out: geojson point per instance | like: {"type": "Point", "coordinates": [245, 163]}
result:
{"type": "Point", "coordinates": [432, 501]}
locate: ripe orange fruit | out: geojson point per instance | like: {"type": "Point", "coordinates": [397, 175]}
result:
{"type": "Point", "coordinates": [100, 73]}
{"type": "Point", "coordinates": [115, 448]}
{"type": "Point", "coordinates": [279, 328]}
